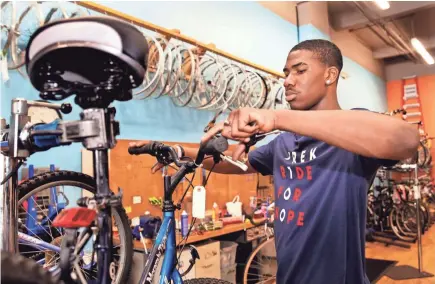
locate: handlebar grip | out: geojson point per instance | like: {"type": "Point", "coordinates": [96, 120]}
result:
{"type": "Point", "coordinates": [145, 149]}
{"type": "Point", "coordinates": [215, 146]}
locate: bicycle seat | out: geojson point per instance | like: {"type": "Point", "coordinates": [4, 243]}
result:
{"type": "Point", "coordinates": [87, 56]}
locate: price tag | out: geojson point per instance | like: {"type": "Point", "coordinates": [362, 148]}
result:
{"type": "Point", "coordinates": [198, 202]}
{"type": "Point", "coordinates": [137, 199]}
{"type": "Point", "coordinates": [416, 192]}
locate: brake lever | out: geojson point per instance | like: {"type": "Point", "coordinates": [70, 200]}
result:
{"type": "Point", "coordinates": [254, 139]}
{"type": "Point", "coordinates": [239, 164]}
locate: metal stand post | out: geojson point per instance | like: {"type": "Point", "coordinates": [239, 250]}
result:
{"type": "Point", "coordinates": [403, 272]}
{"type": "Point", "coordinates": [9, 210]}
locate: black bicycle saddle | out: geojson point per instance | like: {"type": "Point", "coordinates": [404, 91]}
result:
{"type": "Point", "coordinates": [98, 59]}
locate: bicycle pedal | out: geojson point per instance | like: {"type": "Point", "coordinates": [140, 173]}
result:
{"type": "Point", "coordinates": [76, 217]}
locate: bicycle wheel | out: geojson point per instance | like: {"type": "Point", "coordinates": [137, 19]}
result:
{"type": "Point", "coordinates": [29, 20]}
{"type": "Point", "coordinates": [156, 66]}
{"type": "Point", "coordinates": [33, 196]}
{"type": "Point", "coordinates": [17, 269]}
{"type": "Point", "coordinates": [8, 19]}
{"type": "Point", "coordinates": [262, 264]}
{"type": "Point", "coordinates": [408, 217]}
{"type": "Point", "coordinates": [188, 74]}
{"type": "Point", "coordinates": [206, 281]}
{"type": "Point", "coordinates": [211, 84]}
{"type": "Point", "coordinates": [397, 227]}
{"type": "Point", "coordinates": [423, 156]}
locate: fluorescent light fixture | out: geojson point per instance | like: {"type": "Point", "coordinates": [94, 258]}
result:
{"type": "Point", "coordinates": [382, 4]}
{"type": "Point", "coordinates": [422, 51]}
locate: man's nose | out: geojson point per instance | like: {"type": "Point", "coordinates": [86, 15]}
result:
{"type": "Point", "coordinates": [289, 81]}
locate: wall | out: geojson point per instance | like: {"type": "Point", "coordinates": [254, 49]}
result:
{"type": "Point", "coordinates": [245, 29]}
{"type": "Point", "coordinates": [426, 90]}
{"type": "Point", "coordinates": [365, 85]}
{"type": "Point", "coordinates": [231, 27]}
{"type": "Point", "coordinates": [354, 49]}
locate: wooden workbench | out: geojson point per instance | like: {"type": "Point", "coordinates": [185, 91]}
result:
{"type": "Point", "coordinates": [194, 237]}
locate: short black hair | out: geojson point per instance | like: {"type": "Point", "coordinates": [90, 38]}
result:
{"type": "Point", "coordinates": [327, 52]}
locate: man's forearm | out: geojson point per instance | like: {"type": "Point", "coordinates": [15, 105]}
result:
{"type": "Point", "coordinates": [361, 132]}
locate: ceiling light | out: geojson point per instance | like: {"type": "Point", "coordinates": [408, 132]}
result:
{"type": "Point", "coordinates": [422, 51]}
{"type": "Point", "coordinates": [383, 5]}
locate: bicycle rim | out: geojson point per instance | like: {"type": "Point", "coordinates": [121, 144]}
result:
{"type": "Point", "coordinates": [168, 64]}
{"type": "Point", "coordinates": [213, 86]}
{"type": "Point", "coordinates": [262, 264]}
{"type": "Point", "coordinates": [229, 88]}
{"type": "Point", "coordinates": [8, 18]}
{"type": "Point", "coordinates": [175, 71]}
{"type": "Point", "coordinates": [29, 20]}
{"type": "Point", "coordinates": [156, 66]}
{"type": "Point", "coordinates": [186, 84]}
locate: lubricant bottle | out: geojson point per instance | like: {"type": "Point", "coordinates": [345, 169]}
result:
{"type": "Point", "coordinates": [184, 224]}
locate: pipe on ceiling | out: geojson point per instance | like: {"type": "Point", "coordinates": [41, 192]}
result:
{"type": "Point", "coordinates": [392, 35]}
{"type": "Point", "coordinates": [297, 19]}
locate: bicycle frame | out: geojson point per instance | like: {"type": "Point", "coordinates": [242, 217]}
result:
{"type": "Point", "coordinates": [165, 243]}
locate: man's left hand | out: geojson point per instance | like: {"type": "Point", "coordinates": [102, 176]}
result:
{"type": "Point", "coordinates": [244, 122]}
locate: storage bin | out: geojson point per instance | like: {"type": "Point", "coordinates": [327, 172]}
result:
{"type": "Point", "coordinates": [229, 273]}
{"type": "Point", "coordinates": [228, 254]}
{"type": "Point", "coordinates": [208, 266]}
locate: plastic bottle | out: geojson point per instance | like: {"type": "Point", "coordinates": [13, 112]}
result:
{"type": "Point", "coordinates": [215, 211]}
{"type": "Point", "coordinates": [184, 224]}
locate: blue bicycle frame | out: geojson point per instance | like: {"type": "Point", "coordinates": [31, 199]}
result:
{"type": "Point", "coordinates": [165, 242]}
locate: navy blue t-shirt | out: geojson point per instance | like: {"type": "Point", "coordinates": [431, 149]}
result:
{"type": "Point", "coordinates": [320, 208]}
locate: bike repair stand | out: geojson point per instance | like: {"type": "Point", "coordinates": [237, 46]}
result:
{"type": "Point", "coordinates": [403, 272]}
{"type": "Point", "coordinates": [13, 156]}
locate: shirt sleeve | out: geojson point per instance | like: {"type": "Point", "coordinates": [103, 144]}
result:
{"type": "Point", "coordinates": [375, 163]}
{"type": "Point", "coordinates": [261, 158]}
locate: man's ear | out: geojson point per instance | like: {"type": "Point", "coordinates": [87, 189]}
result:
{"type": "Point", "coordinates": [331, 75]}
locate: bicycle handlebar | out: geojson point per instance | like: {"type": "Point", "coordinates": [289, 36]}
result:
{"type": "Point", "coordinates": [167, 154]}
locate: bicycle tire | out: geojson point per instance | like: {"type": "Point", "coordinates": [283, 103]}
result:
{"type": "Point", "coordinates": [427, 219]}
{"type": "Point", "coordinates": [81, 180]}
{"type": "Point", "coordinates": [422, 156]}
{"type": "Point", "coordinates": [251, 259]}
{"type": "Point", "coordinates": [206, 281]}
{"type": "Point", "coordinates": [407, 215]}
{"type": "Point", "coordinates": [396, 227]}
{"type": "Point", "coordinates": [16, 269]}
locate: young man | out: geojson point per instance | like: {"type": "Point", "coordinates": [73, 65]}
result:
{"type": "Point", "coordinates": [323, 164]}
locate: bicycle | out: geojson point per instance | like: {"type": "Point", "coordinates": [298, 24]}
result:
{"type": "Point", "coordinates": [56, 74]}
{"type": "Point", "coordinates": [261, 266]}
{"type": "Point", "coordinates": [165, 240]}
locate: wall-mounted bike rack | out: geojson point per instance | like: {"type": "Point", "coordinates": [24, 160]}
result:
{"type": "Point", "coordinates": [173, 34]}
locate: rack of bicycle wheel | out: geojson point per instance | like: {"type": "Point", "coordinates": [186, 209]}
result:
{"type": "Point", "coordinates": [191, 73]}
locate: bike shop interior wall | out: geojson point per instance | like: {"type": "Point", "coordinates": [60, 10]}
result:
{"type": "Point", "coordinates": [426, 91]}
{"type": "Point", "coordinates": [245, 29]}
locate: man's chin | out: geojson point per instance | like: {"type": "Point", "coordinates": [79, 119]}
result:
{"type": "Point", "coordinates": [295, 105]}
